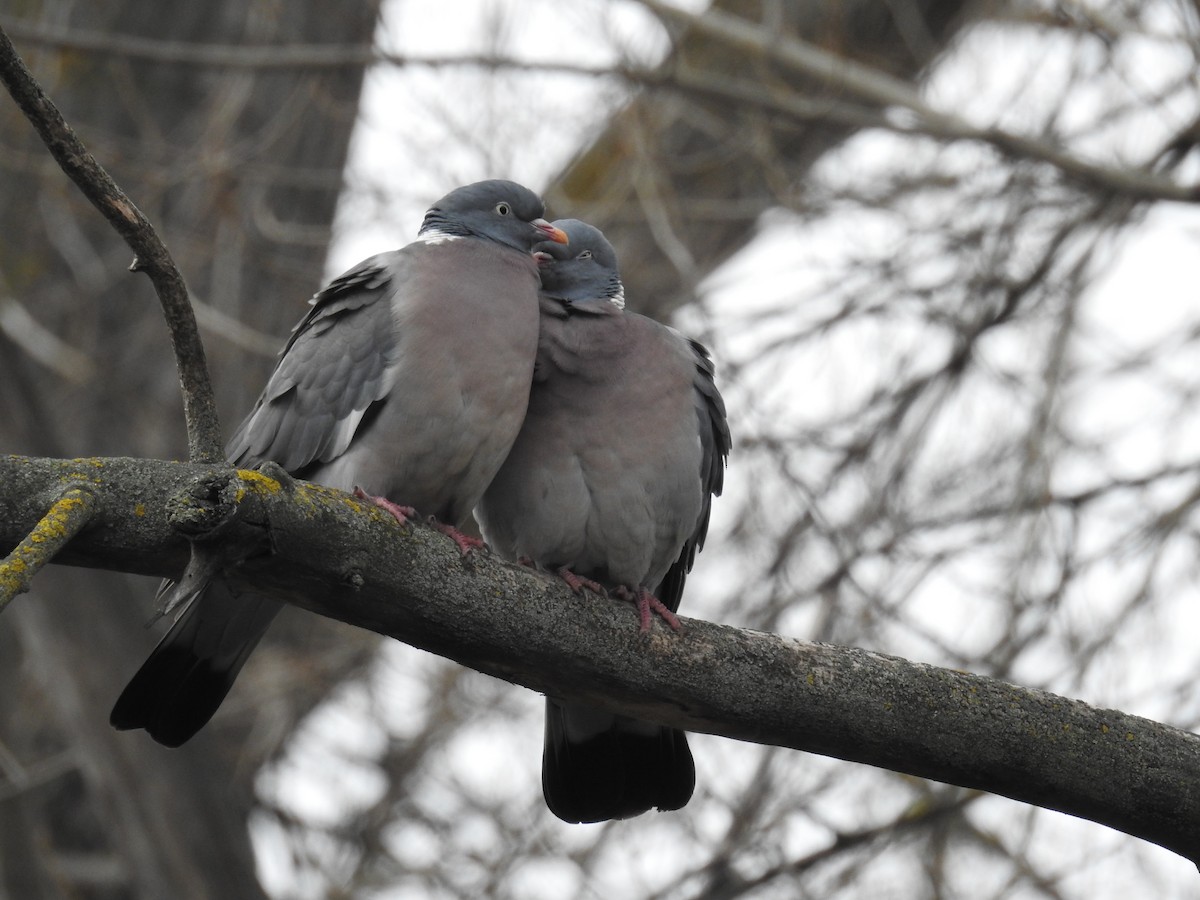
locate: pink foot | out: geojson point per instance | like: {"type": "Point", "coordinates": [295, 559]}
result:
{"type": "Point", "coordinates": [400, 513]}
{"type": "Point", "coordinates": [465, 542]}
{"type": "Point", "coordinates": [577, 583]}
{"type": "Point", "coordinates": [646, 603]}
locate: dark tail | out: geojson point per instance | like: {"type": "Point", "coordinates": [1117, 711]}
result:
{"type": "Point", "coordinates": [181, 684]}
{"type": "Point", "coordinates": [598, 766]}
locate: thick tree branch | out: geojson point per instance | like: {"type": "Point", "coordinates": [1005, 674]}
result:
{"type": "Point", "coordinates": [336, 557]}
{"type": "Point", "coordinates": [150, 254]}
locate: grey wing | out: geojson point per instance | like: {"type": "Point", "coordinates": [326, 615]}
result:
{"type": "Point", "coordinates": [336, 366]}
{"type": "Point", "coordinates": [715, 443]}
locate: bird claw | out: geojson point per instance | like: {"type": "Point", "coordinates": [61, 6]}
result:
{"type": "Point", "coordinates": [466, 543]}
{"type": "Point", "coordinates": [578, 583]}
{"type": "Point", "coordinates": [400, 513]}
{"type": "Point", "coordinates": [647, 604]}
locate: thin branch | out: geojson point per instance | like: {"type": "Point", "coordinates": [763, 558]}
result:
{"type": "Point", "coordinates": [868, 85]}
{"type": "Point", "coordinates": [725, 883]}
{"type": "Point", "coordinates": [150, 255]}
{"type": "Point", "coordinates": [20, 779]}
{"type": "Point", "coordinates": [336, 557]}
{"type": "Point", "coordinates": [218, 56]}
{"type": "Point", "coordinates": [42, 344]}
{"type": "Point", "coordinates": [65, 519]}
{"type": "Point", "coordinates": [234, 330]}
{"type": "Point", "coordinates": [877, 87]}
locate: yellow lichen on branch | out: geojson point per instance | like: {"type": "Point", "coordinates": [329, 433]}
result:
{"type": "Point", "coordinates": [69, 514]}
{"type": "Point", "coordinates": [263, 482]}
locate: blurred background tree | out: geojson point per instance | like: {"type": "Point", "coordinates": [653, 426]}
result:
{"type": "Point", "coordinates": [241, 172]}
{"type": "Point", "coordinates": [950, 282]}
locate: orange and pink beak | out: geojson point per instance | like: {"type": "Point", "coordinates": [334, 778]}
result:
{"type": "Point", "coordinates": [552, 234]}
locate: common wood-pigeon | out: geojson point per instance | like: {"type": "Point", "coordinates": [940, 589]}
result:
{"type": "Point", "coordinates": [409, 377]}
{"type": "Point", "coordinates": [610, 482]}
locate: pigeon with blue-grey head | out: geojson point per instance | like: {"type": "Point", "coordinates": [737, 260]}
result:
{"type": "Point", "coordinates": [407, 381]}
{"type": "Point", "coordinates": [609, 485]}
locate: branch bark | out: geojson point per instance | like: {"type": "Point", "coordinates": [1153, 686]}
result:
{"type": "Point", "coordinates": [341, 559]}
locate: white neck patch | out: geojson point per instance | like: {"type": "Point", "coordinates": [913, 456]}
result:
{"type": "Point", "coordinates": [434, 236]}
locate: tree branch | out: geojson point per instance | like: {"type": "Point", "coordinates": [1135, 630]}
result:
{"type": "Point", "coordinates": [876, 87]}
{"type": "Point", "coordinates": [870, 87]}
{"type": "Point", "coordinates": [150, 254]}
{"type": "Point", "coordinates": [42, 344]}
{"type": "Point", "coordinates": [66, 518]}
{"type": "Point", "coordinates": [338, 558]}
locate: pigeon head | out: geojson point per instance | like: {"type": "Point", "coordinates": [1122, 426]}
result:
{"type": "Point", "coordinates": [496, 210]}
{"type": "Point", "coordinates": [583, 269]}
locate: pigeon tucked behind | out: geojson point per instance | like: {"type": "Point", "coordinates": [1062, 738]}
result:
{"type": "Point", "coordinates": [610, 481]}
{"type": "Point", "coordinates": [409, 376]}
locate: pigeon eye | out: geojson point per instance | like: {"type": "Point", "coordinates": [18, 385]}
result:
{"type": "Point", "coordinates": [503, 209]}
{"type": "Point", "coordinates": [586, 254]}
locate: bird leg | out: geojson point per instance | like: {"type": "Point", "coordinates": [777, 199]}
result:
{"type": "Point", "coordinates": [400, 513]}
{"type": "Point", "coordinates": [647, 603]}
{"type": "Point", "coordinates": [466, 543]}
{"type": "Point", "coordinates": [577, 583]}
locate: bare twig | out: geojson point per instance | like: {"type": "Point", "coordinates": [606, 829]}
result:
{"type": "Point", "coordinates": [235, 331]}
{"type": "Point", "coordinates": [65, 519]}
{"type": "Point", "coordinates": [150, 255]}
{"type": "Point", "coordinates": [877, 87]}
{"type": "Point", "coordinates": [222, 56]}
{"type": "Point", "coordinates": [724, 883]}
{"type": "Point", "coordinates": [42, 344]}
{"type": "Point", "coordinates": [870, 87]}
